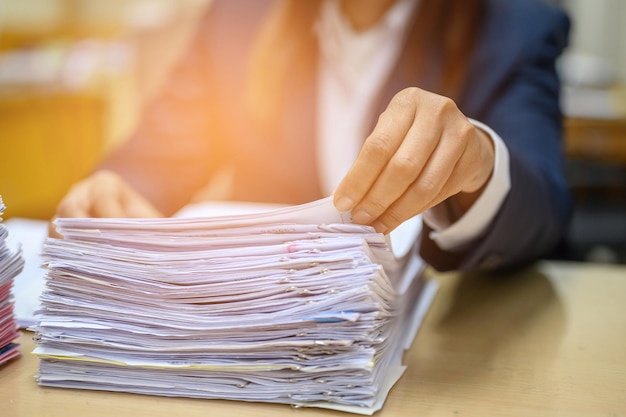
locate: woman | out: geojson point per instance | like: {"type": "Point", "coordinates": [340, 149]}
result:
{"type": "Point", "coordinates": [398, 107]}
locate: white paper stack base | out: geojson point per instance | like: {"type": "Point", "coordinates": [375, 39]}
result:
{"type": "Point", "coordinates": [271, 308]}
{"type": "Point", "coordinates": [11, 264]}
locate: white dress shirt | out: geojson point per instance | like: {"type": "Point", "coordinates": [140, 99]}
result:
{"type": "Point", "coordinates": [353, 69]}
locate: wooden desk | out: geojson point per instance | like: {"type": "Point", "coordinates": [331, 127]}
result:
{"type": "Point", "coordinates": [545, 342]}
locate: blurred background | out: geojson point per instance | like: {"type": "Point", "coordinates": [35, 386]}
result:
{"type": "Point", "coordinates": [74, 74]}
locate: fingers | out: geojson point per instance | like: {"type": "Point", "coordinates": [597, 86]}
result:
{"type": "Point", "coordinates": [94, 196]}
{"type": "Point", "coordinates": [76, 203]}
{"type": "Point", "coordinates": [393, 125]}
{"type": "Point", "coordinates": [456, 169]}
{"type": "Point", "coordinates": [440, 179]}
{"type": "Point", "coordinates": [136, 205]}
{"type": "Point", "coordinates": [402, 170]}
{"type": "Point", "coordinates": [106, 199]}
{"type": "Point", "coordinates": [105, 194]}
{"type": "Point", "coordinates": [422, 151]}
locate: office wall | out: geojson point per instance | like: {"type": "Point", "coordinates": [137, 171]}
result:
{"type": "Point", "coordinates": [599, 30]}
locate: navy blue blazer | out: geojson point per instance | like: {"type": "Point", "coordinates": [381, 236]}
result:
{"type": "Point", "coordinates": [198, 124]}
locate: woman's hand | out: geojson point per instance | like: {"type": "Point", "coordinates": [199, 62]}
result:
{"type": "Point", "coordinates": [422, 151]}
{"type": "Point", "coordinates": [103, 194]}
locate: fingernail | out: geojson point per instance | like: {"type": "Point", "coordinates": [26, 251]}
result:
{"type": "Point", "coordinates": [361, 217]}
{"type": "Point", "coordinates": [344, 203]}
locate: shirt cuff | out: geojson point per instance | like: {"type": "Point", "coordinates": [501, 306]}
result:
{"type": "Point", "coordinates": [452, 235]}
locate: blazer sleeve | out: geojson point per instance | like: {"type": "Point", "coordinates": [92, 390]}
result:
{"type": "Point", "coordinates": [514, 89]}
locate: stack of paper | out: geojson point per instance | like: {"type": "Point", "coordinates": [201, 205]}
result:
{"type": "Point", "coordinates": [11, 263]}
{"type": "Point", "coordinates": [293, 306]}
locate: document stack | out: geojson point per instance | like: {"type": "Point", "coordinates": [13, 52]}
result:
{"type": "Point", "coordinates": [11, 263]}
{"type": "Point", "coordinates": [295, 306]}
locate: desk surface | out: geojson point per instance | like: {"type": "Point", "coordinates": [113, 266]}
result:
{"type": "Point", "coordinates": [548, 341]}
